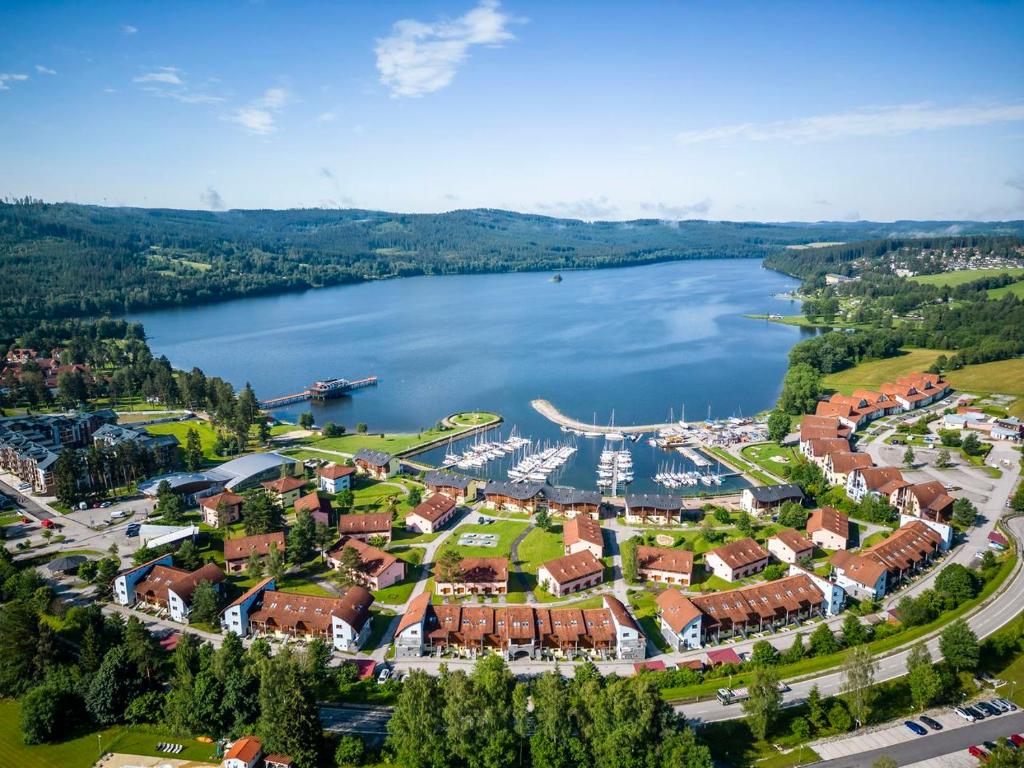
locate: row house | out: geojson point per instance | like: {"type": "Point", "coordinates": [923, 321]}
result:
{"type": "Point", "coordinates": [476, 576]}
{"type": "Point", "coordinates": [517, 631]}
{"type": "Point", "coordinates": [765, 499]}
{"type": "Point", "coordinates": [377, 569]}
{"type": "Point", "coordinates": [515, 497]}
{"type": "Point", "coordinates": [658, 508]}
{"type": "Point", "coordinates": [838, 466]}
{"type": "Point", "coordinates": [814, 427]}
{"type": "Point", "coordinates": [829, 528]}
{"type": "Point", "coordinates": [238, 551]}
{"type": "Point", "coordinates": [572, 502]}
{"type": "Point", "coordinates": [696, 621]}
{"type": "Point", "coordinates": [736, 560]}
{"type": "Point", "coordinates": [431, 514]}
{"type": "Point", "coordinates": [571, 573]}
{"type": "Point", "coordinates": [818, 450]}
{"type": "Point", "coordinates": [788, 546]}
{"type": "Point", "coordinates": [927, 501]}
{"type": "Point", "coordinates": [159, 584]}
{"type": "Point", "coordinates": [882, 567]}
{"type": "Point", "coordinates": [583, 533]}
{"type": "Point", "coordinates": [365, 527]}
{"type": "Point", "coordinates": [335, 478]}
{"type": "Point", "coordinates": [916, 390]}
{"type": "Point", "coordinates": [461, 488]}
{"type": "Point", "coordinates": [221, 509]}
{"type": "Point", "coordinates": [879, 481]}
{"type": "Point", "coordinates": [344, 621]}
{"type": "Point", "coordinates": [664, 565]}
{"type": "Point", "coordinates": [375, 464]}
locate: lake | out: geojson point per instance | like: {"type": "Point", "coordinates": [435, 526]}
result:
{"type": "Point", "coordinates": [639, 340]}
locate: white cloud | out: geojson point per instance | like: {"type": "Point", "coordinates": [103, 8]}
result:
{"type": "Point", "coordinates": [420, 57]}
{"type": "Point", "coordinates": [166, 75]}
{"type": "Point", "coordinates": [45, 70]}
{"type": "Point", "coordinates": [875, 121]}
{"type": "Point", "coordinates": [588, 209]}
{"type": "Point", "coordinates": [10, 78]}
{"type": "Point", "coordinates": [326, 117]}
{"type": "Point", "coordinates": [259, 116]}
{"type": "Point", "coordinates": [128, 29]}
{"type": "Point", "coordinates": [677, 212]}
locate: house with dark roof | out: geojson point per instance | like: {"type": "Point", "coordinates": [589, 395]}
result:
{"type": "Point", "coordinates": [764, 499]}
{"type": "Point", "coordinates": [570, 502]}
{"type": "Point", "coordinates": [462, 488]}
{"type": "Point", "coordinates": [376, 464]}
{"type": "Point", "coordinates": [736, 559]}
{"type": "Point", "coordinates": [263, 610]}
{"type": "Point", "coordinates": [660, 508]}
{"type": "Point", "coordinates": [516, 497]}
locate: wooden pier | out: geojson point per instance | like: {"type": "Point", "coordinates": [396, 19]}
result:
{"type": "Point", "coordinates": [320, 390]}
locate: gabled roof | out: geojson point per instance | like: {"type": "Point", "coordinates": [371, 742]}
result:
{"type": "Point", "coordinates": [228, 498]}
{"type": "Point", "coordinates": [793, 540]}
{"type": "Point", "coordinates": [284, 484]}
{"type": "Point", "coordinates": [335, 471]}
{"type": "Point", "coordinates": [876, 477]}
{"type": "Point", "coordinates": [660, 501]}
{"type": "Point", "coordinates": [373, 561]}
{"type": "Point", "coordinates": [312, 502]}
{"type": "Point", "coordinates": [582, 528]}
{"type": "Point", "coordinates": [517, 491]}
{"type": "Point", "coordinates": [372, 457]}
{"type": "Point", "coordinates": [829, 519]}
{"type": "Point", "coordinates": [825, 446]}
{"type": "Point", "coordinates": [676, 609]}
{"type": "Point", "coordinates": [665, 559]}
{"type": "Point", "coordinates": [481, 570]}
{"type": "Point", "coordinates": [415, 614]}
{"type": "Point", "coordinates": [441, 479]}
{"type": "Point", "coordinates": [575, 566]}
{"type": "Point", "coordinates": [246, 749]}
{"type": "Point", "coordinates": [560, 494]}
{"type": "Point", "coordinates": [376, 522]}
{"type": "Point", "coordinates": [772, 494]}
{"type": "Point", "coordinates": [739, 553]}
{"type": "Point", "coordinates": [844, 463]}
{"type": "Point", "coordinates": [619, 613]}
{"type": "Point", "coordinates": [434, 508]}
{"type": "Point", "coordinates": [242, 547]}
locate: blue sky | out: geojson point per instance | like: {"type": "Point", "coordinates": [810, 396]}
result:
{"type": "Point", "coordinates": [767, 111]}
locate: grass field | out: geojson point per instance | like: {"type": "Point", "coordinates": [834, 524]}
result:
{"type": "Point", "coordinates": [372, 496]}
{"type": "Point", "coordinates": [1003, 376]}
{"type": "Point", "coordinates": [960, 277]}
{"type": "Point", "coordinates": [1017, 289]}
{"type": "Point", "coordinates": [539, 547]}
{"type": "Point", "coordinates": [506, 530]}
{"type": "Point", "coordinates": [872, 374]}
{"type": "Point", "coordinates": [770, 456]}
{"type": "Point", "coordinates": [473, 418]}
{"type": "Point", "coordinates": [400, 442]}
{"type": "Point", "coordinates": [207, 435]}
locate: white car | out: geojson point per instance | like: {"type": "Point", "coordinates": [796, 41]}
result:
{"type": "Point", "coordinates": [964, 714]}
{"type": "Point", "coordinates": [384, 676]}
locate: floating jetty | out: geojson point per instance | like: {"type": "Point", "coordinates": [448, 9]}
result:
{"type": "Point", "coordinates": [546, 409]}
{"type": "Point", "coordinates": [320, 390]}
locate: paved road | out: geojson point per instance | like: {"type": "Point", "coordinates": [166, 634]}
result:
{"type": "Point", "coordinates": [368, 720]}
{"type": "Point", "coordinates": [934, 744]}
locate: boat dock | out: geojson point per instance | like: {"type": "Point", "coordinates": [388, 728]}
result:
{"type": "Point", "coordinates": [693, 456]}
{"type": "Point", "coordinates": [549, 411]}
{"type": "Point", "coordinates": [320, 390]}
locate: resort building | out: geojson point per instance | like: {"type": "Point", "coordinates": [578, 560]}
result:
{"type": "Point", "coordinates": [880, 481]}
{"type": "Point", "coordinates": [583, 533]}
{"type": "Point", "coordinates": [376, 464]}
{"type": "Point", "coordinates": [431, 514]}
{"type": "Point", "coordinates": [461, 488]}
{"type": "Point", "coordinates": [928, 501]}
{"type": "Point", "coordinates": [317, 506]}
{"type": "Point", "coordinates": [570, 502]}
{"type": "Point", "coordinates": [515, 497]}
{"type": "Point", "coordinates": [342, 621]}
{"type": "Point", "coordinates": [906, 394]}
{"type": "Point", "coordinates": [817, 427]}
{"type": "Point", "coordinates": [917, 390]}
{"type": "Point", "coordinates": [237, 475]}
{"type": "Point", "coordinates": [159, 584]}
{"type": "Point", "coordinates": [829, 528]}
{"type": "Point", "coordinates": [477, 576]}
{"type": "Point", "coordinates": [736, 560]}
{"type": "Point", "coordinates": [377, 569]}
{"type": "Point", "coordinates": [882, 567]}
{"type": "Point", "coordinates": [244, 753]}
{"type": "Point", "coordinates": [221, 509]}
{"type": "Point", "coordinates": [817, 450]}
{"type": "Point", "coordinates": [659, 508]}
{"type": "Point", "coordinates": [335, 478]}
{"type": "Point", "coordinates": [790, 547]}
{"type": "Point", "coordinates": [518, 631]}
{"type": "Point", "coordinates": [285, 491]}
{"type": "Point", "coordinates": [764, 499]}
{"type": "Point", "coordinates": [571, 573]}
{"type": "Point", "coordinates": [161, 451]}
{"type": "Point", "coordinates": [664, 565]}
{"type": "Point", "coordinates": [238, 551]}
{"type": "Point", "coordinates": [696, 621]}
{"type": "Point", "coordinates": [365, 527]}
{"type": "Point", "coordinates": [838, 466]}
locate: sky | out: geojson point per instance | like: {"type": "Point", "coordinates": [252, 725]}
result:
{"type": "Point", "coordinates": [600, 110]}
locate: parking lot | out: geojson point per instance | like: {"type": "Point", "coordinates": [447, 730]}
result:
{"type": "Point", "coordinates": [883, 737]}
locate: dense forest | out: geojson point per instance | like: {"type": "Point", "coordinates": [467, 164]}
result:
{"type": "Point", "coordinates": [67, 260]}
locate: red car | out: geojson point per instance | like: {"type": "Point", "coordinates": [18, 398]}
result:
{"type": "Point", "coordinates": [978, 752]}
{"type": "Point", "coordinates": [47, 523]}
{"type": "Point", "coordinates": [1017, 739]}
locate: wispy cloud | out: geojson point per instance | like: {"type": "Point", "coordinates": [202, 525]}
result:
{"type": "Point", "coordinates": [6, 78]}
{"type": "Point", "coordinates": [677, 212]}
{"type": "Point", "coordinates": [259, 116]}
{"type": "Point", "coordinates": [167, 75]}
{"type": "Point", "coordinates": [422, 57]}
{"type": "Point", "coordinates": [45, 70]}
{"type": "Point", "coordinates": [876, 121]}
{"type": "Point", "coordinates": [211, 199]}
{"type": "Point", "coordinates": [326, 117]}
{"type": "Point", "coordinates": [340, 199]}
{"type": "Point", "coordinates": [128, 29]}
{"type": "Point", "coordinates": [588, 208]}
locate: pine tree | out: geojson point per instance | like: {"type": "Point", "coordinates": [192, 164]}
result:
{"type": "Point", "coordinates": [193, 450]}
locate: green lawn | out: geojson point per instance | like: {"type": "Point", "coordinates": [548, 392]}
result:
{"type": "Point", "coordinates": [399, 442]}
{"type": "Point", "coordinates": [207, 435]}
{"type": "Point", "coordinates": [871, 375]}
{"type": "Point", "coordinates": [646, 612]}
{"type": "Point", "coordinates": [539, 547]}
{"type": "Point", "coordinates": [770, 456]}
{"type": "Point", "coordinates": [874, 538]}
{"type": "Point", "coordinates": [1001, 377]}
{"type": "Point", "coordinates": [963, 276]}
{"type": "Point", "coordinates": [1017, 289]}
{"type": "Point", "coordinates": [83, 750]}
{"type": "Point", "coordinates": [742, 466]}
{"type": "Point", "coordinates": [473, 418]}
{"type": "Point", "coordinates": [372, 496]}
{"type": "Point", "coordinates": [506, 530]}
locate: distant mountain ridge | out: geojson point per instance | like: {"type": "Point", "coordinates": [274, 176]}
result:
{"type": "Point", "coordinates": [69, 260]}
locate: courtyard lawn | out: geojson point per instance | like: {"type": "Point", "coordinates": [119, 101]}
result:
{"type": "Point", "coordinates": [646, 612]}
{"type": "Point", "coordinates": [402, 535]}
{"type": "Point", "coordinates": [963, 276]}
{"type": "Point", "coordinates": [539, 547]}
{"type": "Point", "coordinates": [506, 531]}
{"type": "Point", "coordinates": [875, 537]}
{"type": "Point", "coordinates": [398, 594]}
{"type": "Point", "coordinates": [380, 620]}
{"type": "Point", "coordinates": [770, 456]}
{"type": "Point", "coordinates": [207, 436]}
{"type": "Point", "coordinates": [372, 496]}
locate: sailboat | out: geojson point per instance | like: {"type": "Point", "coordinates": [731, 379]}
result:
{"type": "Point", "coordinates": [613, 435]}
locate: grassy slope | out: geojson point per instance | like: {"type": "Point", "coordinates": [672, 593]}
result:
{"type": "Point", "coordinates": [872, 374]}
{"type": "Point", "coordinates": [960, 277]}
{"type": "Point", "coordinates": [1017, 289]}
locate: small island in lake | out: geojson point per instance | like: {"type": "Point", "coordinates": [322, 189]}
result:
{"type": "Point", "coordinates": [556, 278]}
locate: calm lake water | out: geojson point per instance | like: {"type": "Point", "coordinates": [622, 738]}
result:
{"type": "Point", "coordinates": [639, 340]}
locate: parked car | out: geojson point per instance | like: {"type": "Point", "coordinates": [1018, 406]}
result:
{"type": "Point", "coordinates": [384, 676]}
{"type": "Point", "coordinates": [978, 714]}
{"type": "Point", "coordinates": [132, 530]}
{"type": "Point", "coordinates": [1010, 706]}
{"type": "Point", "coordinates": [962, 712]}
{"type": "Point", "coordinates": [1017, 739]}
{"type": "Point", "coordinates": [920, 730]}
{"type": "Point", "coordinates": [989, 745]}
{"type": "Point", "coordinates": [988, 709]}
{"type": "Point", "coordinates": [978, 752]}
{"type": "Point", "coordinates": [998, 705]}
{"type": "Point", "coordinates": [931, 722]}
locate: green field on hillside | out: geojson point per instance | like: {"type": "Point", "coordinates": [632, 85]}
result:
{"type": "Point", "coordinates": [962, 276]}
{"type": "Point", "coordinates": [207, 435]}
{"type": "Point", "coordinates": [1017, 289]}
{"type": "Point", "coordinates": [872, 374]}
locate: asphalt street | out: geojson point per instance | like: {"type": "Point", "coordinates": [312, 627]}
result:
{"type": "Point", "coordinates": [355, 719]}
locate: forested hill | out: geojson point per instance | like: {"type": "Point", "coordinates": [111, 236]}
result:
{"type": "Point", "coordinates": [68, 260]}
{"type": "Point", "coordinates": [920, 255]}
